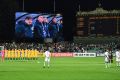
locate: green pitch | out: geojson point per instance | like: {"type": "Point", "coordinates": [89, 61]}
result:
{"type": "Point", "coordinates": [60, 69]}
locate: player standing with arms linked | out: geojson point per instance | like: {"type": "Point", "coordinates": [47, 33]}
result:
{"type": "Point", "coordinates": [107, 64]}
{"type": "Point", "coordinates": [118, 58]}
{"type": "Point", "coordinates": [47, 58]}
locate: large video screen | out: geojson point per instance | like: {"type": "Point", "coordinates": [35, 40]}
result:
{"type": "Point", "coordinates": [38, 26]}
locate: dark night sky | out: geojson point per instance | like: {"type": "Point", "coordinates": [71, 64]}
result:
{"type": "Point", "coordinates": [67, 8]}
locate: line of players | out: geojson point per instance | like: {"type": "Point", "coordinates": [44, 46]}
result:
{"type": "Point", "coordinates": [109, 58]}
{"type": "Point", "coordinates": [34, 54]}
{"type": "Point", "coordinates": [19, 53]}
{"type": "Point", "coordinates": [29, 54]}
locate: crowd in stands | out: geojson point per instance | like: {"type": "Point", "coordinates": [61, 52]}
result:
{"type": "Point", "coordinates": [64, 46]}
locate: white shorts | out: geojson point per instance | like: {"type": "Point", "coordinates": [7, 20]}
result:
{"type": "Point", "coordinates": [47, 59]}
{"type": "Point", "coordinates": [106, 60]}
{"type": "Point", "coordinates": [118, 59]}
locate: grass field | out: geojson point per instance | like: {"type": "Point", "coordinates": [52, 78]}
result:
{"type": "Point", "coordinates": [60, 69]}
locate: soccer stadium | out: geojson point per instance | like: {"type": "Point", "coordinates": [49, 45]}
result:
{"type": "Point", "coordinates": [59, 40]}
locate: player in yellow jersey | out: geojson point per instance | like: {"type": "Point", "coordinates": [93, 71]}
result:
{"type": "Point", "coordinates": [6, 53]}
{"type": "Point", "coordinates": [12, 54]}
{"type": "Point", "coordinates": [23, 54]}
{"type": "Point", "coordinates": [31, 54]}
{"type": "Point", "coordinates": [35, 54]}
{"type": "Point", "coordinates": [15, 52]}
{"type": "Point", "coordinates": [18, 53]}
{"type": "Point", "coordinates": [26, 54]}
{"type": "Point", "coordinates": [9, 55]}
